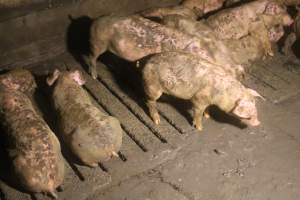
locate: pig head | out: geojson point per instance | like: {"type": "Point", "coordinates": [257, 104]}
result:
{"type": "Point", "coordinates": [73, 75]}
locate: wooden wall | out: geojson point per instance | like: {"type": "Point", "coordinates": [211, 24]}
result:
{"type": "Point", "coordinates": [33, 30]}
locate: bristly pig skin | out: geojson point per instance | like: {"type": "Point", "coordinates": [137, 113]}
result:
{"type": "Point", "coordinates": [33, 147]}
{"type": "Point", "coordinates": [135, 37]}
{"type": "Point", "coordinates": [234, 23]}
{"type": "Point", "coordinates": [186, 76]}
{"type": "Point", "coordinates": [91, 135]}
{"type": "Point", "coordinates": [19, 79]}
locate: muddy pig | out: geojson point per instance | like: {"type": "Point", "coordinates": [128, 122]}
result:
{"type": "Point", "coordinates": [234, 23]}
{"type": "Point", "coordinates": [188, 77]}
{"type": "Point", "coordinates": [19, 79]}
{"type": "Point", "coordinates": [90, 134]}
{"type": "Point", "coordinates": [32, 146]}
{"type": "Point", "coordinates": [135, 37]}
{"type": "Point", "coordinates": [258, 17]}
{"type": "Point", "coordinates": [253, 46]}
{"type": "Point", "coordinates": [242, 51]}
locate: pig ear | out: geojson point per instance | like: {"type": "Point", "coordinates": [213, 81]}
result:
{"type": "Point", "coordinates": [78, 77]}
{"type": "Point", "coordinates": [255, 94]}
{"type": "Point", "coordinates": [51, 79]}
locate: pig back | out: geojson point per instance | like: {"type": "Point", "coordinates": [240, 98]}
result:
{"type": "Point", "coordinates": [233, 23]}
{"type": "Point", "coordinates": [95, 136]}
{"type": "Point", "coordinates": [33, 147]}
{"type": "Point", "coordinates": [180, 74]}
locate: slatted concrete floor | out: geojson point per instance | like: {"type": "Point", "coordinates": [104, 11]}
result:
{"type": "Point", "coordinates": [118, 92]}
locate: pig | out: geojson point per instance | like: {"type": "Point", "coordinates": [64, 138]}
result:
{"type": "Point", "coordinates": [192, 9]}
{"type": "Point", "coordinates": [254, 46]}
{"type": "Point", "coordinates": [19, 79]}
{"type": "Point", "coordinates": [234, 23]}
{"type": "Point", "coordinates": [247, 49]}
{"type": "Point", "coordinates": [90, 134]}
{"type": "Point", "coordinates": [135, 37]}
{"type": "Point", "coordinates": [32, 146]}
{"type": "Point", "coordinates": [242, 51]}
{"type": "Point", "coordinates": [189, 77]}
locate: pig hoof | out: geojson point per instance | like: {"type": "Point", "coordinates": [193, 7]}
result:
{"type": "Point", "coordinates": [115, 154]}
{"type": "Point", "coordinates": [156, 121]}
{"type": "Point", "coordinates": [94, 75]}
{"type": "Point", "coordinates": [156, 118]}
{"type": "Point", "coordinates": [197, 126]}
{"type": "Point", "coordinates": [53, 194]}
{"type": "Point", "coordinates": [91, 165]}
{"type": "Point", "coordinates": [206, 115]}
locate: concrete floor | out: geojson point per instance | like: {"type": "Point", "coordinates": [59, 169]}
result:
{"type": "Point", "coordinates": [173, 161]}
{"type": "Point", "coordinates": [225, 162]}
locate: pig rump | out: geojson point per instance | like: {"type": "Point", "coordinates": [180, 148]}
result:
{"type": "Point", "coordinates": [33, 147]}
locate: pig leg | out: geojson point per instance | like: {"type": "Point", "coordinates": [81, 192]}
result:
{"type": "Point", "coordinates": [206, 114]}
{"type": "Point", "coordinates": [198, 115]}
{"type": "Point", "coordinates": [153, 91]}
{"type": "Point", "coordinates": [199, 106]}
{"type": "Point", "coordinates": [96, 51]}
{"type": "Point", "coordinates": [153, 111]}
{"type": "Point", "coordinates": [153, 94]}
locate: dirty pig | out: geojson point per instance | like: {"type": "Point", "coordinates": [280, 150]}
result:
{"type": "Point", "coordinates": [33, 148]}
{"type": "Point", "coordinates": [221, 49]}
{"type": "Point", "coordinates": [234, 23]}
{"type": "Point", "coordinates": [92, 135]}
{"type": "Point", "coordinates": [135, 37]}
{"type": "Point", "coordinates": [242, 51]}
{"type": "Point", "coordinates": [188, 77]}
